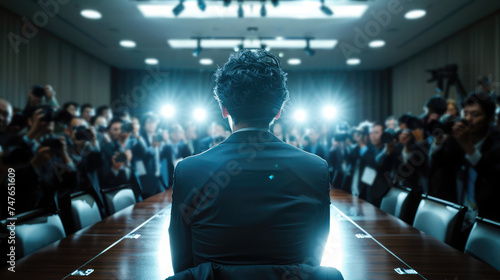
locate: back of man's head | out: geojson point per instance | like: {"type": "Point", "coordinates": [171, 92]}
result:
{"type": "Point", "coordinates": [436, 104]}
{"type": "Point", "coordinates": [252, 87]}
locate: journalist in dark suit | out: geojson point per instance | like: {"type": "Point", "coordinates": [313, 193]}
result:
{"type": "Point", "coordinates": [252, 199]}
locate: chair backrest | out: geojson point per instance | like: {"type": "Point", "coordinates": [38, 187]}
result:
{"type": "Point", "coordinates": [35, 230]}
{"type": "Point", "coordinates": [85, 210]}
{"type": "Point", "coordinates": [484, 242]}
{"type": "Point", "coordinates": [440, 219]}
{"type": "Point", "coordinates": [393, 200]}
{"type": "Point", "coordinates": [401, 202]}
{"type": "Point", "coordinates": [118, 198]}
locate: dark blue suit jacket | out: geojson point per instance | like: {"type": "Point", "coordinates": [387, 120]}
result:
{"type": "Point", "coordinates": [252, 199]}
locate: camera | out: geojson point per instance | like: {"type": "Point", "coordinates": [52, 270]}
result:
{"type": "Point", "coordinates": [389, 135]}
{"type": "Point", "coordinates": [127, 127]}
{"type": "Point", "coordinates": [341, 132]}
{"type": "Point", "coordinates": [158, 137]}
{"type": "Point", "coordinates": [53, 142]}
{"type": "Point", "coordinates": [48, 113]}
{"type": "Point", "coordinates": [38, 91]}
{"type": "Point", "coordinates": [120, 157]}
{"type": "Point", "coordinates": [83, 133]}
{"type": "Point", "coordinates": [445, 124]}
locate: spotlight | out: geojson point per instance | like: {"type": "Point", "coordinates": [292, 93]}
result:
{"type": "Point", "coordinates": [168, 111]}
{"type": "Point", "coordinates": [308, 50]}
{"type": "Point", "coordinates": [300, 115]}
{"type": "Point", "coordinates": [327, 11]}
{"type": "Point", "coordinates": [240, 9]}
{"type": "Point", "coordinates": [197, 51]}
{"type": "Point", "coordinates": [202, 5]}
{"type": "Point", "coordinates": [329, 112]}
{"type": "Point", "coordinates": [263, 11]}
{"type": "Point", "coordinates": [179, 8]}
{"type": "Point", "coordinates": [275, 3]}
{"type": "Point", "coordinates": [199, 114]}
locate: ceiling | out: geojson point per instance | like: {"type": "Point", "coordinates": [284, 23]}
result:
{"type": "Point", "coordinates": [121, 19]}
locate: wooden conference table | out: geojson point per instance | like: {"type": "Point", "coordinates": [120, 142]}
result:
{"type": "Point", "coordinates": [364, 243]}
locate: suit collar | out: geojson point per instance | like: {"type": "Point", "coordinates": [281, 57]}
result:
{"type": "Point", "coordinates": [252, 136]}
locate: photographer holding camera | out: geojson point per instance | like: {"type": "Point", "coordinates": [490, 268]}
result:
{"type": "Point", "coordinates": [156, 167]}
{"type": "Point", "coordinates": [470, 152]}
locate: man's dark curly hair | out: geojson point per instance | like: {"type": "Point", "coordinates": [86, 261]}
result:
{"type": "Point", "coordinates": [252, 87]}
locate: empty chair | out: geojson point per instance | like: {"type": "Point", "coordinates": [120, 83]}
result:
{"type": "Point", "coordinates": [440, 219]}
{"type": "Point", "coordinates": [34, 230]}
{"type": "Point", "coordinates": [484, 242]}
{"type": "Point", "coordinates": [84, 209]}
{"type": "Point", "coordinates": [401, 202]}
{"type": "Point", "coordinates": [118, 198]}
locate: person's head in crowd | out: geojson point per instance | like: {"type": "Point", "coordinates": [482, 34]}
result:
{"type": "Point", "coordinates": [409, 121]}
{"type": "Point", "coordinates": [361, 134]}
{"type": "Point", "coordinates": [177, 133]}
{"type": "Point", "coordinates": [123, 114]}
{"type": "Point", "coordinates": [150, 123]}
{"type": "Point", "coordinates": [77, 124]}
{"type": "Point", "coordinates": [5, 114]}
{"type": "Point", "coordinates": [191, 131]}
{"type": "Point", "coordinates": [73, 108]}
{"type": "Point", "coordinates": [376, 134]}
{"type": "Point", "coordinates": [251, 89]}
{"type": "Point", "coordinates": [87, 111]}
{"type": "Point", "coordinates": [136, 125]}
{"type": "Point", "coordinates": [105, 111]}
{"type": "Point", "coordinates": [36, 96]}
{"type": "Point", "coordinates": [479, 112]}
{"type": "Point", "coordinates": [115, 128]}
{"type": "Point", "coordinates": [434, 108]}
{"type": "Point", "coordinates": [99, 123]}
{"type": "Point", "coordinates": [49, 92]}
{"type": "Point", "coordinates": [391, 123]}
{"type": "Point", "coordinates": [452, 108]}
{"type": "Point", "coordinates": [292, 140]}
{"type": "Point", "coordinates": [313, 134]}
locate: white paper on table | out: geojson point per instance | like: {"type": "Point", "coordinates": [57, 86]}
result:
{"type": "Point", "coordinates": [368, 176]}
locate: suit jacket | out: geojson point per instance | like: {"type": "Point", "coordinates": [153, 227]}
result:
{"type": "Point", "coordinates": [151, 184]}
{"type": "Point", "coordinates": [252, 199]}
{"type": "Point", "coordinates": [451, 159]}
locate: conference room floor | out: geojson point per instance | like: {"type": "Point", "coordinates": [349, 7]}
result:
{"type": "Point", "coordinates": [364, 243]}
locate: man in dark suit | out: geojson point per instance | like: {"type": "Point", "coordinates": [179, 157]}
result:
{"type": "Point", "coordinates": [252, 199]}
{"type": "Point", "coordinates": [149, 167]}
{"type": "Point", "coordinates": [473, 150]}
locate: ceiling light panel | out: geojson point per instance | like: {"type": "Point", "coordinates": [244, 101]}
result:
{"type": "Point", "coordinates": [251, 9]}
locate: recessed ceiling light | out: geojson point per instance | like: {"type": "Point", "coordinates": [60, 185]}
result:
{"type": "Point", "coordinates": [294, 61]}
{"type": "Point", "coordinates": [151, 61]}
{"type": "Point", "coordinates": [377, 43]}
{"type": "Point", "coordinates": [127, 43]}
{"type": "Point", "coordinates": [281, 54]}
{"type": "Point", "coordinates": [91, 14]}
{"type": "Point", "coordinates": [415, 14]}
{"type": "Point", "coordinates": [279, 38]}
{"type": "Point", "coordinates": [206, 61]}
{"type": "Point", "coordinates": [353, 61]}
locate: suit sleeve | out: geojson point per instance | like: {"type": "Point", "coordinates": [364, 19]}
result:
{"type": "Point", "coordinates": [180, 230]}
{"type": "Point", "coordinates": [323, 222]}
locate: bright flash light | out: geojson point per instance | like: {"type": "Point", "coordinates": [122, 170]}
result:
{"type": "Point", "coordinates": [168, 111]}
{"type": "Point", "coordinates": [199, 114]}
{"type": "Point", "coordinates": [329, 112]}
{"type": "Point", "coordinates": [300, 115]}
